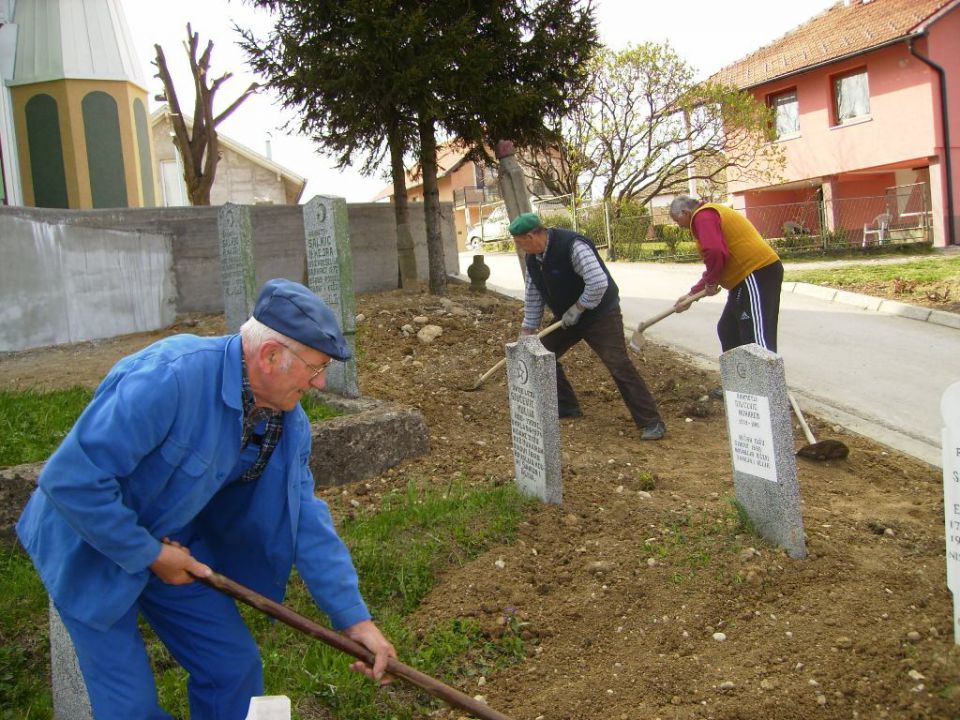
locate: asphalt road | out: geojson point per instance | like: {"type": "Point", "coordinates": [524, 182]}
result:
{"type": "Point", "coordinates": [878, 375]}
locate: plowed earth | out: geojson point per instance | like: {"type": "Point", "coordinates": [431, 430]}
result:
{"type": "Point", "coordinates": [624, 592]}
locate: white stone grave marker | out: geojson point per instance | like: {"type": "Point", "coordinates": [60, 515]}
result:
{"type": "Point", "coordinates": [532, 384]}
{"type": "Point", "coordinates": [762, 445]}
{"type": "Point", "coordinates": [269, 707]}
{"type": "Point", "coordinates": [950, 409]}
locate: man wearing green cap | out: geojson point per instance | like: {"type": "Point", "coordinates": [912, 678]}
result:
{"type": "Point", "coordinates": [566, 274]}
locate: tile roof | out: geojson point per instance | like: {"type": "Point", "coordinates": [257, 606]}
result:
{"type": "Point", "coordinates": [847, 28]}
{"type": "Point", "coordinates": [450, 156]}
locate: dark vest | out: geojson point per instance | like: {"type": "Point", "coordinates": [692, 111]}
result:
{"type": "Point", "coordinates": [559, 283]}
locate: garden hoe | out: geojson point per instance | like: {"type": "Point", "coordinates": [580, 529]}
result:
{"type": "Point", "coordinates": [636, 340]}
{"type": "Point", "coordinates": [483, 378]}
{"type": "Point", "coordinates": [813, 450]}
{"type": "Point", "coordinates": [396, 668]}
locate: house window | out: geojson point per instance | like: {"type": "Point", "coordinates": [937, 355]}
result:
{"type": "Point", "coordinates": [786, 113]}
{"type": "Point", "coordinates": [171, 179]}
{"type": "Point", "coordinates": [851, 96]}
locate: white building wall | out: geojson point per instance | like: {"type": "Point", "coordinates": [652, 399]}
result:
{"type": "Point", "coordinates": [239, 179]}
{"type": "Point", "coordinates": [8, 142]}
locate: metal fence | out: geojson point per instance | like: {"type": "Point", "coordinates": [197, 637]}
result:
{"type": "Point", "coordinates": [901, 216]}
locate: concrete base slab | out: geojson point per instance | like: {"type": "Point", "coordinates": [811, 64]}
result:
{"type": "Point", "coordinates": [368, 438]}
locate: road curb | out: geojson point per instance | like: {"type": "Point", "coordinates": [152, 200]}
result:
{"type": "Point", "coordinates": [875, 304]}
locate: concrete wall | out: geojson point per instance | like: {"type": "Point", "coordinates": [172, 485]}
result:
{"type": "Point", "coordinates": [62, 284]}
{"type": "Point", "coordinates": [103, 248]}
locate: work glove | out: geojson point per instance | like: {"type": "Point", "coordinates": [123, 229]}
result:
{"type": "Point", "coordinates": [572, 316]}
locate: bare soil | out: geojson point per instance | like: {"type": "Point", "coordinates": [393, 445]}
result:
{"type": "Point", "coordinates": [939, 295]}
{"type": "Point", "coordinates": [624, 592]}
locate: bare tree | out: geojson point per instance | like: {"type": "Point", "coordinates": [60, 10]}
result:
{"type": "Point", "coordinates": [199, 146]}
{"type": "Point", "coordinates": [561, 166]}
{"type": "Point", "coordinates": [647, 128]}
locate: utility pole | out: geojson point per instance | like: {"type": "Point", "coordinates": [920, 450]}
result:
{"type": "Point", "coordinates": [513, 188]}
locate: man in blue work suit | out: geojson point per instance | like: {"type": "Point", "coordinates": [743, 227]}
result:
{"type": "Point", "coordinates": [194, 453]}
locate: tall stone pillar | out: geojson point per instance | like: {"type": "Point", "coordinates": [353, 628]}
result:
{"type": "Point", "coordinates": [513, 187]}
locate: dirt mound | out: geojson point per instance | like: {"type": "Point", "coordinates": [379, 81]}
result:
{"type": "Point", "coordinates": [642, 596]}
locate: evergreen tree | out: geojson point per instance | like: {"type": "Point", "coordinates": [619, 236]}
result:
{"type": "Point", "coordinates": [367, 75]}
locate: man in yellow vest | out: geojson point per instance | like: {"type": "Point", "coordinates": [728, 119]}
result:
{"type": "Point", "coordinates": [739, 259]}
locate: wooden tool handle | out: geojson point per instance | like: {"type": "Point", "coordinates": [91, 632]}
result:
{"type": "Point", "coordinates": [803, 423]}
{"type": "Point", "coordinates": [344, 644]}
{"type": "Point", "coordinates": [546, 331]}
{"type": "Point", "coordinates": [550, 328]}
{"type": "Point", "coordinates": [635, 338]}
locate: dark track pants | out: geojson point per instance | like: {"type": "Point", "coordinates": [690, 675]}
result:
{"type": "Point", "coordinates": [752, 309]}
{"type": "Point", "coordinates": [605, 337]}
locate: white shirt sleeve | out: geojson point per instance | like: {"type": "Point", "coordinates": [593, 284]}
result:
{"type": "Point", "coordinates": [586, 265]}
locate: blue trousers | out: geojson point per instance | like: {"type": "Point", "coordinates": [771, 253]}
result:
{"type": "Point", "coordinates": [204, 632]}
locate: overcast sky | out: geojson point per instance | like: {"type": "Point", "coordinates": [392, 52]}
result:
{"type": "Point", "coordinates": [708, 35]}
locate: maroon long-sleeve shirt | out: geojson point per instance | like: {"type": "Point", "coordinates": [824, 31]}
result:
{"type": "Point", "coordinates": [713, 247]}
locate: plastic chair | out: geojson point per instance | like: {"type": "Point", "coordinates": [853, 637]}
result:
{"type": "Point", "coordinates": [879, 228]}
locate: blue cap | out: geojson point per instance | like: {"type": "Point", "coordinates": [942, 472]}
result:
{"type": "Point", "coordinates": [293, 310]}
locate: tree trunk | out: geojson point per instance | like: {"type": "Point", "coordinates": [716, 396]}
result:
{"type": "Point", "coordinates": [199, 146]}
{"type": "Point", "coordinates": [431, 206]}
{"type": "Point", "coordinates": [200, 197]}
{"type": "Point", "coordinates": [406, 258]}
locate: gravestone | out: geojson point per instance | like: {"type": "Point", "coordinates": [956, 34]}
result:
{"type": "Point", "coordinates": [950, 410]}
{"type": "Point", "coordinates": [330, 275]}
{"type": "Point", "coordinates": [532, 386]}
{"type": "Point", "coordinates": [236, 264]}
{"type": "Point", "coordinates": [761, 445]}
{"type": "Point", "coordinates": [269, 707]}
{"type": "Point", "coordinates": [70, 698]}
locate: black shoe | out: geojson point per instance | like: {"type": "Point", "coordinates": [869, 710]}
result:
{"type": "Point", "coordinates": [573, 412]}
{"type": "Point", "coordinates": [654, 431]}
{"type": "Point", "coordinates": [716, 393]}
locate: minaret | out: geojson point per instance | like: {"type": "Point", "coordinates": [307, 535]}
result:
{"type": "Point", "coordinates": [79, 103]}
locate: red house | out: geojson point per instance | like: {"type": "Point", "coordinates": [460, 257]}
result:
{"type": "Point", "coordinates": [866, 98]}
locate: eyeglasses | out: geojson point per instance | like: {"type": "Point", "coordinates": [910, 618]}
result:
{"type": "Point", "coordinates": [317, 369]}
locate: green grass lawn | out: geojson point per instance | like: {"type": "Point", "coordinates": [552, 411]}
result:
{"type": "Point", "coordinates": [922, 271]}
{"type": "Point", "coordinates": [933, 282]}
{"type": "Point", "coordinates": [400, 549]}
{"type": "Point", "coordinates": [32, 423]}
